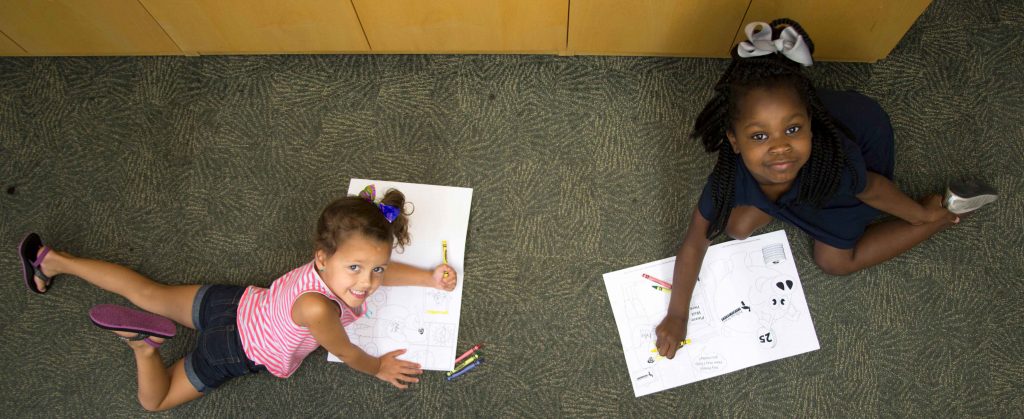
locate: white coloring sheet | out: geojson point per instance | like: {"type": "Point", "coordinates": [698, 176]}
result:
{"type": "Point", "coordinates": [748, 308]}
{"type": "Point", "coordinates": [424, 321]}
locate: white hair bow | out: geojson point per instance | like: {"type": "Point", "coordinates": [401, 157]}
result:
{"type": "Point", "coordinates": [790, 44]}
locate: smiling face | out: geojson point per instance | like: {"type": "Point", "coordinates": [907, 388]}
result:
{"type": "Point", "coordinates": [772, 134]}
{"type": "Point", "coordinates": [356, 269]}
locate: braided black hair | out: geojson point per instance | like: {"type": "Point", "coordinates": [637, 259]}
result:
{"type": "Point", "coordinates": [824, 169]}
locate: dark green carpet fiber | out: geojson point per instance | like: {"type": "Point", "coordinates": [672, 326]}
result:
{"type": "Point", "coordinates": [213, 170]}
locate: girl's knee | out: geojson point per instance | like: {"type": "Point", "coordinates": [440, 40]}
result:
{"type": "Point", "coordinates": [146, 292]}
{"type": "Point", "coordinates": [156, 406]}
{"type": "Point", "coordinates": [833, 264]}
{"type": "Point", "coordinates": [738, 233]}
{"type": "Point", "coordinates": [149, 407]}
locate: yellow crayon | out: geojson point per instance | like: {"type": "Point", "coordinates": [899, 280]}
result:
{"type": "Point", "coordinates": [444, 255]}
{"type": "Point", "coordinates": [463, 364]}
{"type": "Point", "coordinates": [685, 342]}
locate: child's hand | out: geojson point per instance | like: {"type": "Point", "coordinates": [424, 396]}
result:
{"type": "Point", "coordinates": [442, 282]}
{"type": "Point", "coordinates": [671, 331]}
{"type": "Point", "coordinates": [934, 211]}
{"type": "Point", "coordinates": [396, 371]}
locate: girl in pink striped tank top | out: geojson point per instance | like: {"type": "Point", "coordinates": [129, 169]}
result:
{"type": "Point", "coordinates": [253, 329]}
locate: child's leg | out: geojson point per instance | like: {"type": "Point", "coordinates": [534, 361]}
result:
{"type": "Point", "coordinates": [744, 220]}
{"type": "Point", "coordinates": [171, 301]}
{"type": "Point", "coordinates": [880, 242]}
{"type": "Point", "coordinates": [160, 388]}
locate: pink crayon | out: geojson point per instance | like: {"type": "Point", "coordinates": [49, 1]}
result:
{"type": "Point", "coordinates": [657, 281]}
{"type": "Point", "coordinates": [469, 352]}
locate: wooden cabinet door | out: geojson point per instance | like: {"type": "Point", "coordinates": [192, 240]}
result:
{"type": "Point", "coordinates": [84, 27]}
{"type": "Point", "coordinates": [464, 26]}
{"type": "Point", "coordinates": [842, 30]}
{"type": "Point", "coordinates": [698, 28]}
{"type": "Point", "coordinates": [8, 47]}
{"type": "Point", "coordinates": [260, 26]}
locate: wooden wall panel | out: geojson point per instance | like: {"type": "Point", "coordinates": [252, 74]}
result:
{"type": "Point", "coordinates": [260, 26]}
{"type": "Point", "coordinates": [654, 27]}
{"type": "Point", "coordinates": [464, 26]}
{"type": "Point", "coordinates": [84, 27]}
{"type": "Point", "coordinates": [862, 30]}
{"type": "Point", "coordinates": [9, 48]}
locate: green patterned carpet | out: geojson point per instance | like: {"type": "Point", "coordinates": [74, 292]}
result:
{"type": "Point", "coordinates": [213, 169]}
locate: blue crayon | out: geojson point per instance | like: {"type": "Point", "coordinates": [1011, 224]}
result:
{"type": "Point", "coordinates": [459, 367]}
{"type": "Point", "coordinates": [465, 370]}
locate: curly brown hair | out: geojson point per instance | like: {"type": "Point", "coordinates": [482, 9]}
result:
{"type": "Point", "coordinates": [351, 215]}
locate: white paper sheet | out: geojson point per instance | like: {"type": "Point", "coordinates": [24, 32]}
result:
{"type": "Point", "coordinates": [425, 321]}
{"type": "Point", "coordinates": [748, 308]}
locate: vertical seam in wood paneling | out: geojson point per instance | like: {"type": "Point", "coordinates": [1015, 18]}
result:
{"type": "Point", "coordinates": [739, 28]}
{"type": "Point", "coordinates": [568, 17]}
{"type": "Point", "coordinates": [360, 20]}
{"type": "Point", "coordinates": [180, 49]}
{"type": "Point", "coordinates": [15, 43]}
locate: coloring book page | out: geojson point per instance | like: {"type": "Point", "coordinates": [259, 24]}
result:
{"type": "Point", "coordinates": [424, 321]}
{"type": "Point", "coordinates": [748, 308]}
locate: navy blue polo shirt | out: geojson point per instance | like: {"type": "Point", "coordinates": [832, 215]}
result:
{"type": "Point", "coordinates": [843, 218]}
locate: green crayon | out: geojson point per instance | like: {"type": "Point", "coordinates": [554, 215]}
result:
{"type": "Point", "coordinates": [465, 362]}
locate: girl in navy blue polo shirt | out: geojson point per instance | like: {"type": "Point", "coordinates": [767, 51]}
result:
{"type": "Point", "coordinates": [821, 160]}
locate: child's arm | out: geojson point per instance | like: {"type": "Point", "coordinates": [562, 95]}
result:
{"type": "Point", "coordinates": [880, 193]}
{"type": "Point", "coordinates": [320, 315]}
{"type": "Point", "coordinates": [689, 258]}
{"type": "Point", "coordinates": [400, 274]}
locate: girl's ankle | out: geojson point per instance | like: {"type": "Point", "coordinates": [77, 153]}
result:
{"type": "Point", "coordinates": [53, 262]}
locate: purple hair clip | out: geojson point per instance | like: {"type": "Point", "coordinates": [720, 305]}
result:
{"type": "Point", "coordinates": [369, 193]}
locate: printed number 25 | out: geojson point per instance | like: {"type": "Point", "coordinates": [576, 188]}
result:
{"type": "Point", "coordinates": [765, 338]}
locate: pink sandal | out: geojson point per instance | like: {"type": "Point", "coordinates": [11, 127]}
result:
{"type": "Point", "coordinates": [124, 319]}
{"type": "Point", "coordinates": [31, 262]}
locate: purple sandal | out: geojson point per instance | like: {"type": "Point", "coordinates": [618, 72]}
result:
{"type": "Point", "coordinates": [124, 319]}
{"type": "Point", "coordinates": [30, 262]}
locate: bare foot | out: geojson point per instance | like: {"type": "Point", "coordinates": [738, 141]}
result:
{"type": "Point", "coordinates": [138, 345]}
{"type": "Point", "coordinates": [48, 266]}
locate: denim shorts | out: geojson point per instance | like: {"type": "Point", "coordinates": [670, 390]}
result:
{"type": "Point", "coordinates": [219, 355]}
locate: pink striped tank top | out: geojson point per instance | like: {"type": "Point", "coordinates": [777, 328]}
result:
{"type": "Point", "coordinates": [269, 336]}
